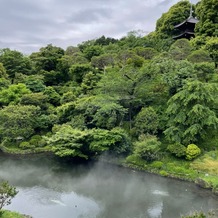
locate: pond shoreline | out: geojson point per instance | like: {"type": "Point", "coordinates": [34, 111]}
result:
{"type": "Point", "coordinates": [120, 162]}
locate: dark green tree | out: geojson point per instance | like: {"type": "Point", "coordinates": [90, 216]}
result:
{"type": "Point", "coordinates": [146, 52]}
{"type": "Point", "coordinates": [102, 61]}
{"type": "Point", "coordinates": [120, 84]}
{"type": "Point", "coordinates": [176, 14]}
{"type": "Point", "coordinates": [101, 111]}
{"type": "Point", "coordinates": [105, 41]}
{"type": "Point", "coordinates": [78, 71]}
{"type": "Point", "coordinates": [199, 56]}
{"type": "Point", "coordinates": [52, 96]}
{"type": "Point", "coordinates": [191, 113]}
{"type": "Point", "coordinates": [146, 121]}
{"type": "Point", "coordinates": [205, 71]}
{"type": "Point", "coordinates": [15, 62]}
{"type": "Point", "coordinates": [91, 51]}
{"type": "Point", "coordinates": [207, 13]}
{"type": "Point", "coordinates": [47, 58]}
{"type": "Point", "coordinates": [115, 141]}
{"type": "Point", "coordinates": [18, 121]}
{"type": "Point", "coordinates": [180, 49]}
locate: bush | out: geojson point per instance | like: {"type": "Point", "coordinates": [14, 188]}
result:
{"type": "Point", "coordinates": [157, 164]}
{"type": "Point", "coordinates": [148, 148]}
{"type": "Point", "coordinates": [25, 145]}
{"type": "Point", "coordinates": [177, 149]}
{"type": "Point", "coordinates": [163, 173]}
{"type": "Point", "coordinates": [35, 140]}
{"type": "Point", "coordinates": [192, 151]}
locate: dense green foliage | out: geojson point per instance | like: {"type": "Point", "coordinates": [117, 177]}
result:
{"type": "Point", "coordinates": [147, 98]}
{"type": "Point", "coordinates": [207, 12]}
{"type": "Point", "coordinates": [7, 192]}
{"type": "Point", "coordinates": [10, 214]}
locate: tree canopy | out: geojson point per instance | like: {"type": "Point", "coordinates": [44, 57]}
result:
{"type": "Point", "coordinates": [141, 95]}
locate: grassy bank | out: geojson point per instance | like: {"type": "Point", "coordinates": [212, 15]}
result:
{"type": "Point", "coordinates": [14, 150]}
{"type": "Point", "coordinates": [203, 170]}
{"type": "Point", "coordinates": [10, 214]}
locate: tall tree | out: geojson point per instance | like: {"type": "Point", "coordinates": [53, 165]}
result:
{"type": "Point", "coordinates": [176, 14]}
{"type": "Point", "coordinates": [101, 111]}
{"type": "Point", "coordinates": [15, 62]}
{"type": "Point", "coordinates": [120, 84]}
{"type": "Point", "coordinates": [207, 12]}
{"type": "Point", "coordinates": [47, 57]}
{"type": "Point", "coordinates": [191, 112]}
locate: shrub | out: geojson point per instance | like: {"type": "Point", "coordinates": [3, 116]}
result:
{"type": "Point", "coordinates": [35, 140]}
{"type": "Point", "coordinates": [157, 164]}
{"type": "Point", "coordinates": [192, 151]}
{"type": "Point", "coordinates": [148, 148]}
{"type": "Point", "coordinates": [177, 149]}
{"type": "Point", "coordinates": [25, 145]}
{"type": "Point", "coordinates": [163, 173]}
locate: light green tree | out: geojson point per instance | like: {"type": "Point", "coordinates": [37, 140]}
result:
{"type": "Point", "coordinates": [13, 94]}
{"type": "Point", "coordinates": [3, 73]}
{"type": "Point", "coordinates": [7, 193]}
{"type": "Point", "coordinates": [68, 142]}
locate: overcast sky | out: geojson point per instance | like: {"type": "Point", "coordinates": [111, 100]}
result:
{"type": "Point", "coordinates": [27, 25]}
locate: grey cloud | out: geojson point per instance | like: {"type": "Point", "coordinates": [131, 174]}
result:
{"type": "Point", "coordinates": [89, 15]}
{"type": "Point", "coordinates": [27, 25]}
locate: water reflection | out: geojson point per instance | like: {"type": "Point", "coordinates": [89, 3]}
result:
{"type": "Point", "coordinates": [48, 189]}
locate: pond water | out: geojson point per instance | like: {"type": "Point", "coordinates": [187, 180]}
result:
{"type": "Point", "coordinates": [50, 189]}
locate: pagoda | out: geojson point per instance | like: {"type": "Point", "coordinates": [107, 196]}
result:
{"type": "Point", "coordinates": [187, 27]}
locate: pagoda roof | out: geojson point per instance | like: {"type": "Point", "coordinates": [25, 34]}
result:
{"type": "Point", "coordinates": [186, 34]}
{"type": "Point", "coordinates": [191, 20]}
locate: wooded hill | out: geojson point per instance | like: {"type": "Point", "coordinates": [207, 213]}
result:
{"type": "Point", "coordinates": [145, 97]}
